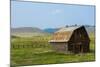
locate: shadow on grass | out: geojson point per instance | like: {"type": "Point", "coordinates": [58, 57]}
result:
{"type": "Point", "coordinates": [92, 51]}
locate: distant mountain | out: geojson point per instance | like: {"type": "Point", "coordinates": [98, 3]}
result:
{"type": "Point", "coordinates": [28, 32]}
{"type": "Point", "coordinates": [51, 30]}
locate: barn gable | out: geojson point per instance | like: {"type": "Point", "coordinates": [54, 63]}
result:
{"type": "Point", "coordinates": [79, 34]}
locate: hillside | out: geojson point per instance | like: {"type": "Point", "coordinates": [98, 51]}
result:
{"type": "Point", "coordinates": [28, 32]}
{"type": "Point", "coordinates": [51, 30]}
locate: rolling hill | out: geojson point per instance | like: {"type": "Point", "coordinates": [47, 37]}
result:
{"type": "Point", "coordinates": [28, 32]}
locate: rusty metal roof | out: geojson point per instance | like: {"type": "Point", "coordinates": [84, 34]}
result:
{"type": "Point", "coordinates": [64, 34]}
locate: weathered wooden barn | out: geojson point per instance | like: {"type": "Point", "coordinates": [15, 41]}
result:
{"type": "Point", "coordinates": [71, 39]}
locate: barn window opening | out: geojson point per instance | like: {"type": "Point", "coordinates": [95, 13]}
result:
{"type": "Point", "coordinates": [80, 35]}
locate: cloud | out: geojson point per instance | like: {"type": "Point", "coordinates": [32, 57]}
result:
{"type": "Point", "coordinates": [56, 11]}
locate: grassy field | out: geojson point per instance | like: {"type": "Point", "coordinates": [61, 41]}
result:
{"type": "Point", "coordinates": [36, 50]}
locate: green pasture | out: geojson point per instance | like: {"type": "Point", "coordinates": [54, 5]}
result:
{"type": "Point", "coordinates": [37, 50]}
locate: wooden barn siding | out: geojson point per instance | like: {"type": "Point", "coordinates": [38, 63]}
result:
{"type": "Point", "coordinates": [71, 47]}
{"type": "Point", "coordinates": [60, 47]}
{"type": "Point", "coordinates": [79, 35]}
{"type": "Point", "coordinates": [79, 41]}
{"type": "Point", "coordinates": [76, 47]}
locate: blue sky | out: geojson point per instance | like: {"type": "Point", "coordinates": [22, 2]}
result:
{"type": "Point", "coordinates": [47, 15]}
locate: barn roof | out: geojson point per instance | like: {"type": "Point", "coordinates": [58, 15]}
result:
{"type": "Point", "coordinates": [65, 29]}
{"type": "Point", "coordinates": [64, 34]}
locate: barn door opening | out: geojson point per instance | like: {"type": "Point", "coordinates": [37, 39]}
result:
{"type": "Point", "coordinates": [70, 47]}
{"type": "Point", "coordinates": [78, 48]}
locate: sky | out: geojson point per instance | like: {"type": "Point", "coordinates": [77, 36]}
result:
{"type": "Point", "coordinates": [49, 15]}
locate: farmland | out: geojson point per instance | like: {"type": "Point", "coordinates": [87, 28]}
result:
{"type": "Point", "coordinates": [36, 50]}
